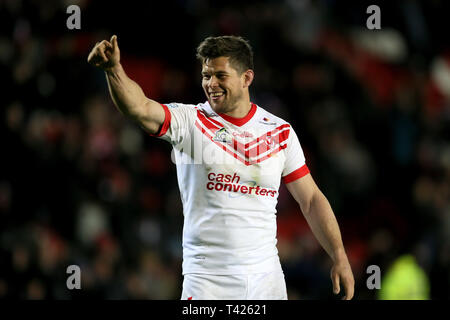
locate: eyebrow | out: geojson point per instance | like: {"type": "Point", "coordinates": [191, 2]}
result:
{"type": "Point", "coordinates": [217, 73]}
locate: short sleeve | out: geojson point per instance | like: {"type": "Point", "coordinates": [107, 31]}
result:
{"type": "Point", "coordinates": [178, 123]}
{"type": "Point", "coordinates": [295, 166]}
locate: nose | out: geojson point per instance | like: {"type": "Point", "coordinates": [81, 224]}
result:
{"type": "Point", "coordinates": [212, 82]}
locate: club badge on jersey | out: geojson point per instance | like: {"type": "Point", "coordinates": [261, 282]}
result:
{"type": "Point", "coordinates": [222, 135]}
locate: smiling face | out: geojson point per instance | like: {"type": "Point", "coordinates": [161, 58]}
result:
{"type": "Point", "coordinates": [224, 87]}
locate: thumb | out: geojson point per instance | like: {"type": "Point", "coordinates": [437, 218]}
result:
{"type": "Point", "coordinates": [336, 285]}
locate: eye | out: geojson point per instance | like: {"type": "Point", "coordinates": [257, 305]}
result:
{"type": "Point", "coordinates": [206, 76]}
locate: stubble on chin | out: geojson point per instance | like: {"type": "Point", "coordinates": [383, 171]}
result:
{"type": "Point", "coordinates": [219, 108]}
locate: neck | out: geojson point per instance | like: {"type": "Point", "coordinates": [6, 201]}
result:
{"type": "Point", "coordinates": [241, 110]}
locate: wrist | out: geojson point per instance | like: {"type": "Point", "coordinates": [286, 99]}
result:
{"type": "Point", "coordinates": [339, 255]}
{"type": "Point", "coordinates": [114, 69]}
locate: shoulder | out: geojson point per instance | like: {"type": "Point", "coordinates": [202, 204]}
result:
{"type": "Point", "coordinates": [206, 109]}
{"type": "Point", "coordinates": [181, 109]}
{"type": "Point", "coordinates": [269, 120]}
{"type": "Point", "coordinates": [174, 105]}
{"type": "Point", "coordinates": [194, 108]}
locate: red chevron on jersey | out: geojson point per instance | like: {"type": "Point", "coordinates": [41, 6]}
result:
{"type": "Point", "coordinates": [265, 146]}
{"type": "Point", "coordinates": [222, 146]}
{"type": "Point", "coordinates": [214, 125]}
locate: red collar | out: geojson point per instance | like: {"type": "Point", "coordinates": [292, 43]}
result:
{"type": "Point", "coordinates": [240, 121]}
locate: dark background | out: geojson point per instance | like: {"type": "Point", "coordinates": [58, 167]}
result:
{"type": "Point", "coordinates": [81, 184]}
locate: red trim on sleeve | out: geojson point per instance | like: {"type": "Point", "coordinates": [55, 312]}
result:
{"type": "Point", "coordinates": [296, 174]}
{"type": "Point", "coordinates": [240, 121]}
{"type": "Point", "coordinates": [165, 126]}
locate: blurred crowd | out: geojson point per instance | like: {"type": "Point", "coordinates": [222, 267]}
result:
{"type": "Point", "coordinates": [82, 185]}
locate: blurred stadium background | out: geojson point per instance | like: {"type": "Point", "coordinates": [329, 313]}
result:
{"type": "Point", "coordinates": [80, 184]}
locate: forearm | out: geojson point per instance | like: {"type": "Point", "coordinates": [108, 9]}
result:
{"type": "Point", "coordinates": [322, 221]}
{"type": "Point", "coordinates": [126, 94]}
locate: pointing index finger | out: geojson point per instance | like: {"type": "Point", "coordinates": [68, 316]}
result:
{"type": "Point", "coordinates": [114, 42]}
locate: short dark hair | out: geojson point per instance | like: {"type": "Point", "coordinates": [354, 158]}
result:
{"type": "Point", "coordinates": [236, 48]}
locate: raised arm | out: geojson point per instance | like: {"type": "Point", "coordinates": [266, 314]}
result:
{"type": "Point", "coordinates": [126, 94]}
{"type": "Point", "coordinates": [321, 219]}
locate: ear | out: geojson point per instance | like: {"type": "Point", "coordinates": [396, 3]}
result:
{"type": "Point", "coordinates": [248, 78]}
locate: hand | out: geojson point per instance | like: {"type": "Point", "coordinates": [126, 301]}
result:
{"type": "Point", "coordinates": [341, 272]}
{"type": "Point", "coordinates": [105, 54]}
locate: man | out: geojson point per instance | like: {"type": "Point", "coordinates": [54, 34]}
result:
{"type": "Point", "coordinates": [230, 156]}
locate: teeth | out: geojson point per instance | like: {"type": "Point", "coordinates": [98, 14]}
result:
{"type": "Point", "coordinates": [216, 94]}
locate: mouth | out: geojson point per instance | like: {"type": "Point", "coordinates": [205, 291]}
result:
{"type": "Point", "coordinates": [217, 95]}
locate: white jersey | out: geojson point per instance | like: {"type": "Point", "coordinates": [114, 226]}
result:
{"type": "Point", "coordinates": [229, 173]}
